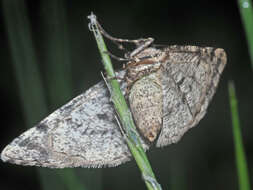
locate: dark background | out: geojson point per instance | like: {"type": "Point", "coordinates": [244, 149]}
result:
{"type": "Point", "coordinates": [204, 158]}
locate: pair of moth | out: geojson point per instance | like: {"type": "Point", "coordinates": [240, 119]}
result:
{"type": "Point", "coordinates": [168, 91]}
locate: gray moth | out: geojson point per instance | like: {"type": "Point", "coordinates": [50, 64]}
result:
{"type": "Point", "coordinates": [168, 91]}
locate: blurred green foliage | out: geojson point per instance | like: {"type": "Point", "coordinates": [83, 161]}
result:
{"type": "Point", "coordinates": [241, 163]}
{"type": "Point", "coordinates": [246, 10]}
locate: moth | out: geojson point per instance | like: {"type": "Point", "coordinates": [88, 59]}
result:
{"type": "Point", "coordinates": [168, 91]}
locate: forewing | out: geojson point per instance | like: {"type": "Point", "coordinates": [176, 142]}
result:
{"type": "Point", "coordinates": [81, 133]}
{"type": "Point", "coordinates": [189, 77]}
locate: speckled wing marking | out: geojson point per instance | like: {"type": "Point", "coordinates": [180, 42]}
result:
{"type": "Point", "coordinates": [81, 133]}
{"type": "Point", "coordinates": [189, 79]}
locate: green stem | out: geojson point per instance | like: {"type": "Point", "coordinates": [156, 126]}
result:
{"type": "Point", "coordinates": [241, 162]}
{"type": "Point", "coordinates": [246, 10]}
{"type": "Point", "coordinates": [132, 137]}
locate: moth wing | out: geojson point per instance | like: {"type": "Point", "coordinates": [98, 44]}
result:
{"type": "Point", "coordinates": [189, 81]}
{"type": "Point", "coordinates": [82, 133]}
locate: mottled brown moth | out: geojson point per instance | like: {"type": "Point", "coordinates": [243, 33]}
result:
{"type": "Point", "coordinates": [168, 90]}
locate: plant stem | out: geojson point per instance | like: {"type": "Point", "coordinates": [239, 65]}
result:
{"type": "Point", "coordinates": [132, 137]}
{"type": "Point", "coordinates": [241, 162]}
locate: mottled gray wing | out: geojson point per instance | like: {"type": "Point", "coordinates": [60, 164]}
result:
{"type": "Point", "coordinates": [189, 80]}
{"type": "Point", "coordinates": [81, 133]}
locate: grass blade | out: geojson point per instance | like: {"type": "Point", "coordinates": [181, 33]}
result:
{"type": "Point", "coordinates": [241, 162]}
{"type": "Point", "coordinates": [246, 11]}
{"type": "Point", "coordinates": [57, 52]}
{"type": "Point", "coordinates": [132, 139]}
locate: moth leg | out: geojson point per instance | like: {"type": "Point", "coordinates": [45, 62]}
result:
{"type": "Point", "coordinates": [127, 57]}
{"type": "Point", "coordinates": [141, 43]}
{"type": "Point", "coordinates": [112, 78]}
{"type": "Point", "coordinates": [116, 41]}
{"type": "Point", "coordinates": [116, 57]}
{"type": "Point", "coordinates": [116, 77]}
{"type": "Point", "coordinates": [159, 46]}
